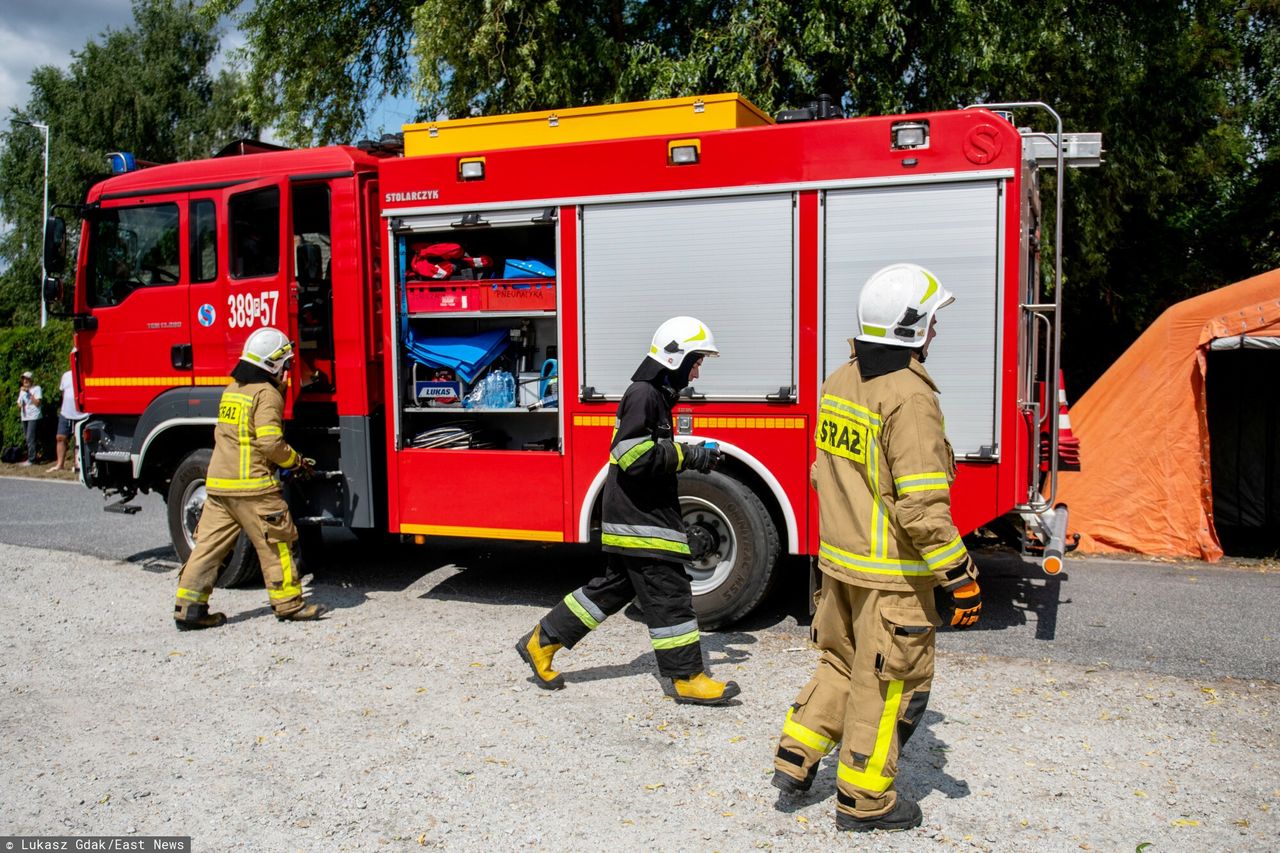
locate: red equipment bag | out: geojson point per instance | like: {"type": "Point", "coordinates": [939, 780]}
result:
{"type": "Point", "coordinates": [446, 260]}
{"type": "Point", "coordinates": [423, 268]}
{"type": "Point", "coordinates": [444, 251]}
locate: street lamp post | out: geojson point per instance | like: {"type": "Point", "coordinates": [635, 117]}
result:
{"type": "Point", "coordinates": [44, 223]}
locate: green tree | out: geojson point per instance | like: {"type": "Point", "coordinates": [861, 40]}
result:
{"type": "Point", "coordinates": [148, 89]}
{"type": "Point", "coordinates": [313, 65]}
{"type": "Point", "coordinates": [1186, 93]}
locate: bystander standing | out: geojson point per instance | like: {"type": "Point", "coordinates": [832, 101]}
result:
{"type": "Point", "coordinates": [68, 415]}
{"type": "Point", "coordinates": [29, 403]}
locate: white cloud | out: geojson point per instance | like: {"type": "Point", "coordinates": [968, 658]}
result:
{"type": "Point", "coordinates": [45, 33]}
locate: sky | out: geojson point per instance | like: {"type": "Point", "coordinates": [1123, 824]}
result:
{"type": "Point", "coordinates": [45, 32]}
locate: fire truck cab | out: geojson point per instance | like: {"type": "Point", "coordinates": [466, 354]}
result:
{"type": "Point", "coordinates": [468, 313]}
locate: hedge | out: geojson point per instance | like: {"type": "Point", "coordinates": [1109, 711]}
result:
{"type": "Point", "coordinates": [46, 353]}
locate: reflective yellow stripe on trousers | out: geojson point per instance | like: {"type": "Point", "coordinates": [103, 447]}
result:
{"type": "Point", "coordinates": [289, 587]}
{"type": "Point", "coordinates": [806, 736]}
{"type": "Point", "coordinates": [871, 779]}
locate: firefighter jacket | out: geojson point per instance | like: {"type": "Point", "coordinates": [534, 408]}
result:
{"type": "Point", "coordinates": [883, 474]}
{"type": "Point", "coordinates": [641, 511]}
{"type": "Point", "coordinates": [248, 441]}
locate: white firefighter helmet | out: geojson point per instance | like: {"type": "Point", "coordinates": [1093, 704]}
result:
{"type": "Point", "coordinates": [897, 304]}
{"type": "Point", "coordinates": [678, 337]}
{"type": "Point", "coordinates": [269, 349]}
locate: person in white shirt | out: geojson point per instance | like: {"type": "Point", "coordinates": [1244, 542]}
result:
{"type": "Point", "coordinates": [67, 417]}
{"type": "Point", "coordinates": [29, 406]}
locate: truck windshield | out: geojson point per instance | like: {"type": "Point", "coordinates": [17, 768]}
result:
{"type": "Point", "coordinates": [132, 247]}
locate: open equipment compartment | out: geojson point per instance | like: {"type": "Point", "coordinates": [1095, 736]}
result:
{"type": "Point", "coordinates": [477, 295]}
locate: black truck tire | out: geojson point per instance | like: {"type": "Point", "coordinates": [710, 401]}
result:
{"type": "Point", "coordinates": [734, 543]}
{"type": "Point", "coordinates": [184, 505]}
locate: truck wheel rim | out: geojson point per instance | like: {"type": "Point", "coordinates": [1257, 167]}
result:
{"type": "Point", "coordinates": [192, 506]}
{"type": "Point", "coordinates": [712, 542]}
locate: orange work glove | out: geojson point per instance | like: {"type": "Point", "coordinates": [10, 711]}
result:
{"type": "Point", "coordinates": [966, 606]}
{"type": "Point", "coordinates": [959, 599]}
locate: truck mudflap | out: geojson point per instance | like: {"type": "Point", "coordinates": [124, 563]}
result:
{"type": "Point", "coordinates": [1046, 536]}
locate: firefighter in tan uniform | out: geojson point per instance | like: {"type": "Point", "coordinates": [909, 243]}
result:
{"type": "Point", "coordinates": [883, 474]}
{"type": "Point", "coordinates": [243, 488]}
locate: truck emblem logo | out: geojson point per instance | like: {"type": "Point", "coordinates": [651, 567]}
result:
{"type": "Point", "coordinates": [206, 315]}
{"type": "Point", "coordinates": [982, 144]}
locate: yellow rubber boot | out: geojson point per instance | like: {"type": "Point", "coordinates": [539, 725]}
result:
{"type": "Point", "coordinates": [702, 689]}
{"type": "Point", "coordinates": [539, 658]}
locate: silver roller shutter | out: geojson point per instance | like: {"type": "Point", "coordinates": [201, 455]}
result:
{"type": "Point", "coordinates": [953, 230]}
{"type": "Point", "coordinates": [727, 261]}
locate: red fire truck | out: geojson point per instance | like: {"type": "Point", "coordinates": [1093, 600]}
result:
{"type": "Point", "coordinates": [548, 246]}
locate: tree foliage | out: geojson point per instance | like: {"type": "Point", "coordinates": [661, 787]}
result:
{"type": "Point", "coordinates": [45, 353]}
{"type": "Point", "coordinates": [1185, 92]}
{"type": "Point", "coordinates": [312, 65]}
{"type": "Point", "coordinates": [148, 89]}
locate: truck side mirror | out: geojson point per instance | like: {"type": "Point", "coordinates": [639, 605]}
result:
{"type": "Point", "coordinates": [55, 245]}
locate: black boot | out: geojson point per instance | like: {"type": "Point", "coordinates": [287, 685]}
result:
{"type": "Point", "coordinates": [905, 814]}
{"type": "Point", "coordinates": [197, 618]}
{"type": "Point", "coordinates": [792, 785]}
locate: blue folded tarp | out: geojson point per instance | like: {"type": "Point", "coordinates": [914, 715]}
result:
{"type": "Point", "coordinates": [467, 355]}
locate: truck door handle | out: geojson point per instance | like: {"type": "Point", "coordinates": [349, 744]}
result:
{"type": "Point", "coordinates": [180, 356]}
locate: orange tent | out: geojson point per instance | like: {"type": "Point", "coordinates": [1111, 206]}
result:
{"type": "Point", "coordinates": [1144, 431]}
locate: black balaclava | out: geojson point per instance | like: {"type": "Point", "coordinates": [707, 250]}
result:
{"type": "Point", "coordinates": [246, 374]}
{"type": "Point", "coordinates": [669, 382]}
{"type": "Point", "coordinates": [880, 359]}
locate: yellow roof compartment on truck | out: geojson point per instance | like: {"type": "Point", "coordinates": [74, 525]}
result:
{"type": "Point", "coordinates": [693, 114]}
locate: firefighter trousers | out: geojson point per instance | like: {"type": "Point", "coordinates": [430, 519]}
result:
{"type": "Point", "coordinates": [664, 593]}
{"type": "Point", "coordinates": [266, 521]}
{"type": "Point", "coordinates": [868, 694]}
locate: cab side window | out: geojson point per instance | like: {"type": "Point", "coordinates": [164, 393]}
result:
{"type": "Point", "coordinates": [131, 248]}
{"type": "Point", "coordinates": [204, 241]}
{"type": "Point", "coordinates": [255, 233]}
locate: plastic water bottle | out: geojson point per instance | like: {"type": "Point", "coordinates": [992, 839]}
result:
{"type": "Point", "coordinates": [506, 393]}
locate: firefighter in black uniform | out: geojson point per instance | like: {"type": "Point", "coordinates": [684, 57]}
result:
{"type": "Point", "coordinates": [642, 528]}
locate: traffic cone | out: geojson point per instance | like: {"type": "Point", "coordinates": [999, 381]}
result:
{"type": "Point", "coordinates": [1068, 444]}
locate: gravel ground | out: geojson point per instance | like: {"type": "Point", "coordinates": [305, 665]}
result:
{"type": "Point", "coordinates": [406, 720]}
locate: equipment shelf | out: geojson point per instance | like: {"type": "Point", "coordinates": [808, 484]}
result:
{"type": "Point", "coordinates": [455, 315]}
{"type": "Point", "coordinates": [458, 410]}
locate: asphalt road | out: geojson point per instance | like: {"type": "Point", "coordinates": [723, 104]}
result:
{"type": "Point", "coordinates": [1186, 618]}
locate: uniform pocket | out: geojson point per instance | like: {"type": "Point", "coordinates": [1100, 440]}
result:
{"type": "Point", "coordinates": [906, 651]}
{"type": "Point", "coordinates": [277, 524]}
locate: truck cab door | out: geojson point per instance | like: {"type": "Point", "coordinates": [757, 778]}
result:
{"type": "Point", "coordinates": [238, 243]}
{"type": "Point", "coordinates": [134, 337]}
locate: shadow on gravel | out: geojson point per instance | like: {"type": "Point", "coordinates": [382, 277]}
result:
{"type": "Point", "coordinates": [921, 765]}
{"type": "Point", "coordinates": [156, 560]}
{"type": "Point", "coordinates": [920, 772]}
{"type": "Point", "coordinates": [477, 570]}
{"type": "Point", "coordinates": [263, 612]}
{"type": "Point", "coordinates": [718, 648]}
{"type": "Point", "coordinates": [1014, 589]}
